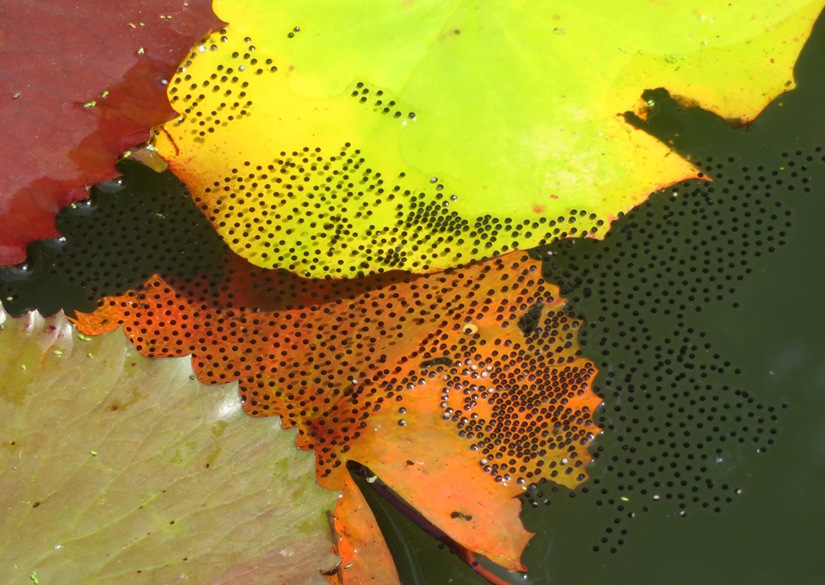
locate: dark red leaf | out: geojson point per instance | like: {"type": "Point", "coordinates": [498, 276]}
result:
{"type": "Point", "coordinates": [81, 82]}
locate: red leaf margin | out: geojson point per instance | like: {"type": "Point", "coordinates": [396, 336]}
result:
{"type": "Point", "coordinates": [82, 82]}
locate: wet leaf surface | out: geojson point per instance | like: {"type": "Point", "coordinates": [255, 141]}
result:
{"type": "Point", "coordinates": [360, 543]}
{"type": "Point", "coordinates": [81, 83]}
{"type": "Point", "coordinates": [456, 129]}
{"type": "Point", "coordinates": [119, 469]}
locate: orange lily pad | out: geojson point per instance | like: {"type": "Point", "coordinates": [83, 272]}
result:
{"type": "Point", "coordinates": [461, 389]}
{"type": "Point", "coordinates": [364, 554]}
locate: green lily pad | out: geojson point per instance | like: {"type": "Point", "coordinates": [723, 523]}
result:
{"type": "Point", "coordinates": [115, 468]}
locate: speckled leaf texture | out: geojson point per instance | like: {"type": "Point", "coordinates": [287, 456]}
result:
{"type": "Point", "coordinates": [459, 389]}
{"type": "Point", "coordinates": [81, 82]}
{"type": "Point", "coordinates": [115, 468]}
{"type": "Point", "coordinates": [340, 138]}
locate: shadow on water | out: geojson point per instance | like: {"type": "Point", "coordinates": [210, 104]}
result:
{"type": "Point", "coordinates": [132, 227]}
{"type": "Point", "coordinates": [703, 311]}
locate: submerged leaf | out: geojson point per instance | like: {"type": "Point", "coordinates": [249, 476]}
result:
{"type": "Point", "coordinates": [460, 389]}
{"type": "Point", "coordinates": [340, 138]}
{"type": "Point", "coordinates": [119, 469]}
{"type": "Point", "coordinates": [82, 81]}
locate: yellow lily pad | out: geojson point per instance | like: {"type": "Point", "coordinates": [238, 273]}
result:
{"type": "Point", "coordinates": [338, 139]}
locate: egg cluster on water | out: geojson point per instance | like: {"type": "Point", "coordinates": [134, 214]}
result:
{"type": "Point", "coordinates": [487, 350]}
{"type": "Point", "coordinates": [324, 207]}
